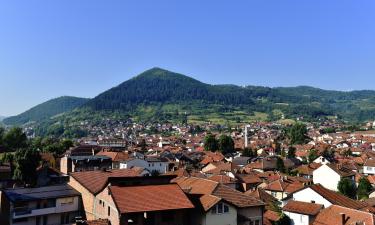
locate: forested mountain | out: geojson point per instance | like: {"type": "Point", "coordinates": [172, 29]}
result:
{"type": "Point", "coordinates": [158, 87]}
{"type": "Point", "coordinates": [159, 95]}
{"type": "Point", "coordinates": [46, 110]}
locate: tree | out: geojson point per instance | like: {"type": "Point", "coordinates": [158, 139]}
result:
{"type": "Point", "coordinates": [15, 139]}
{"type": "Point", "coordinates": [143, 145]}
{"type": "Point", "coordinates": [297, 133]}
{"type": "Point", "coordinates": [291, 152]}
{"type": "Point", "coordinates": [211, 143]}
{"type": "Point", "coordinates": [280, 165]}
{"type": "Point", "coordinates": [364, 188]}
{"type": "Point", "coordinates": [313, 154]}
{"type": "Point", "coordinates": [283, 220]}
{"type": "Point", "coordinates": [26, 160]}
{"type": "Point", "coordinates": [226, 144]}
{"type": "Point", "coordinates": [347, 187]}
{"type": "Point", "coordinates": [248, 152]}
{"type": "Point", "coordinates": [2, 131]}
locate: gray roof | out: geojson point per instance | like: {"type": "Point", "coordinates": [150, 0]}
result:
{"type": "Point", "coordinates": [90, 157]}
{"type": "Point", "coordinates": [33, 194]}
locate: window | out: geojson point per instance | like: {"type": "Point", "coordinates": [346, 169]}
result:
{"type": "Point", "coordinates": [109, 211]}
{"type": "Point", "coordinates": [67, 201]}
{"type": "Point", "coordinates": [220, 209]}
{"type": "Point", "coordinates": [273, 194]}
{"type": "Point", "coordinates": [226, 209]}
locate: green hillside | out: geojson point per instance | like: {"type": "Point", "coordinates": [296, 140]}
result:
{"type": "Point", "coordinates": [46, 110]}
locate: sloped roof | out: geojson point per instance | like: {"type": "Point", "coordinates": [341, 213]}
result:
{"type": "Point", "coordinates": [95, 181]}
{"type": "Point", "coordinates": [336, 198]}
{"type": "Point", "coordinates": [304, 208]}
{"type": "Point", "coordinates": [149, 198]}
{"type": "Point", "coordinates": [333, 215]}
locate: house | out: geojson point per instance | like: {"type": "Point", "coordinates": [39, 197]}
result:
{"type": "Point", "coordinates": [320, 195]}
{"type": "Point", "coordinates": [322, 160]}
{"type": "Point", "coordinates": [143, 200]}
{"type": "Point", "coordinates": [281, 188]}
{"type": "Point", "coordinates": [339, 215]}
{"type": "Point", "coordinates": [91, 183]}
{"type": "Point", "coordinates": [302, 213]}
{"type": "Point", "coordinates": [73, 164]}
{"type": "Point", "coordinates": [248, 181]}
{"type": "Point", "coordinates": [151, 164]}
{"type": "Point", "coordinates": [263, 196]}
{"type": "Point", "coordinates": [369, 167]}
{"type": "Point", "coordinates": [329, 175]}
{"type": "Point", "coordinates": [49, 205]}
{"type": "Point", "coordinates": [116, 156]}
{"type": "Point", "coordinates": [218, 204]}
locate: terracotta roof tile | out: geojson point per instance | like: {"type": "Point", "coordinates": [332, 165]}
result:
{"type": "Point", "coordinates": [150, 198]}
{"type": "Point", "coordinates": [336, 198]}
{"type": "Point", "coordinates": [98, 222]}
{"type": "Point", "coordinates": [95, 181]}
{"type": "Point", "coordinates": [235, 197]}
{"type": "Point", "coordinates": [304, 208]}
{"type": "Point", "coordinates": [333, 216]}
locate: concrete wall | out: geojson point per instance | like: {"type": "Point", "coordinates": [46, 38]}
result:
{"type": "Point", "coordinates": [309, 195]}
{"type": "Point", "coordinates": [229, 218]}
{"type": "Point", "coordinates": [326, 177]}
{"type": "Point", "coordinates": [298, 219]}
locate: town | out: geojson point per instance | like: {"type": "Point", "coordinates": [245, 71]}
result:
{"type": "Point", "coordinates": [171, 174]}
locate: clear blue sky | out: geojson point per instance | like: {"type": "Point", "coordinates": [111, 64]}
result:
{"type": "Point", "coordinates": [81, 48]}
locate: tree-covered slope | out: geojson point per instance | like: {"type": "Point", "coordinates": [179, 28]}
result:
{"type": "Point", "coordinates": [159, 87]}
{"type": "Point", "coordinates": [46, 110]}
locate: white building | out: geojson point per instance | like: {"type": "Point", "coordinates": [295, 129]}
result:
{"type": "Point", "coordinates": [151, 164]}
{"type": "Point", "coordinates": [329, 175]}
{"type": "Point", "coordinates": [302, 213]}
{"type": "Point", "coordinates": [369, 167]}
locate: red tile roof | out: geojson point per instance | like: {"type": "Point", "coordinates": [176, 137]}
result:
{"type": "Point", "coordinates": [336, 198]}
{"type": "Point", "coordinates": [95, 181]}
{"type": "Point", "coordinates": [98, 222]}
{"type": "Point", "coordinates": [333, 216]}
{"type": "Point", "coordinates": [193, 185]}
{"type": "Point", "coordinates": [115, 156]}
{"type": "Point", "coordinates": [304, 208]}
{"type": "Point", "coordinates": [149, 198]}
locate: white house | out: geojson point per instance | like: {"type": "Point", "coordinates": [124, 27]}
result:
{"type": "Point", "coordinates": [322, 160]}
{"type": "Point", "coordinates": [151, 164]}
{"type": "Point", "coordinates": [302, 213]}
{"type": "Point", "coordinates": [369, 167]}
{"type": "Point", "coordinates": [329, 175]}
{"type": "Point", "coordinates": [319, 195]}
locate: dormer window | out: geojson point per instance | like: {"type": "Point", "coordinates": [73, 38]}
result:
{"type": "Point", "coordinates": [220, 209]}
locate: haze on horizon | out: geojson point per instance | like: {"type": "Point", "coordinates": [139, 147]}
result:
{"type": "Point", "coordinates": [82, 48]}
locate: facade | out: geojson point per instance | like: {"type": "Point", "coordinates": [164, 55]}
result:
{"type": "Point", "coordinates": [50, 205]}
{"type": "Point", "coordinates": [71, 164]}
{"type": "Point", "coordinates": [302, 213]}
{"type": "Point", "coordinates": [151, 164]}
{"type": "Point", "coordinates": [91, 183]}
{"type": "Point", "coordinates": [320, 195]}
{"type": "Point", "coordinates": [329, 175]}
{"type": "Point", "coordinates": [218, 204]}
{"type": "Point", "coordinates": [369, 167]}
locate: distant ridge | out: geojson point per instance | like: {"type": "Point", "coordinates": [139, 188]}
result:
{"type": "Point", "coordinates": [46, 110]}
{"type": "Point", "coordinates": [161, 95]}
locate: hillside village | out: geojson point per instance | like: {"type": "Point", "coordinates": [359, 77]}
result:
{"type": "Point", "coordinates": [126, 173]}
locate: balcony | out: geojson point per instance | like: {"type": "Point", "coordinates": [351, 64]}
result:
{"type": "Point", "coordinates": [22, 212]}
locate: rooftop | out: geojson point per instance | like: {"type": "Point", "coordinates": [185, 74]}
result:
{"type": "Point", "coordinates": [33, 194]}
